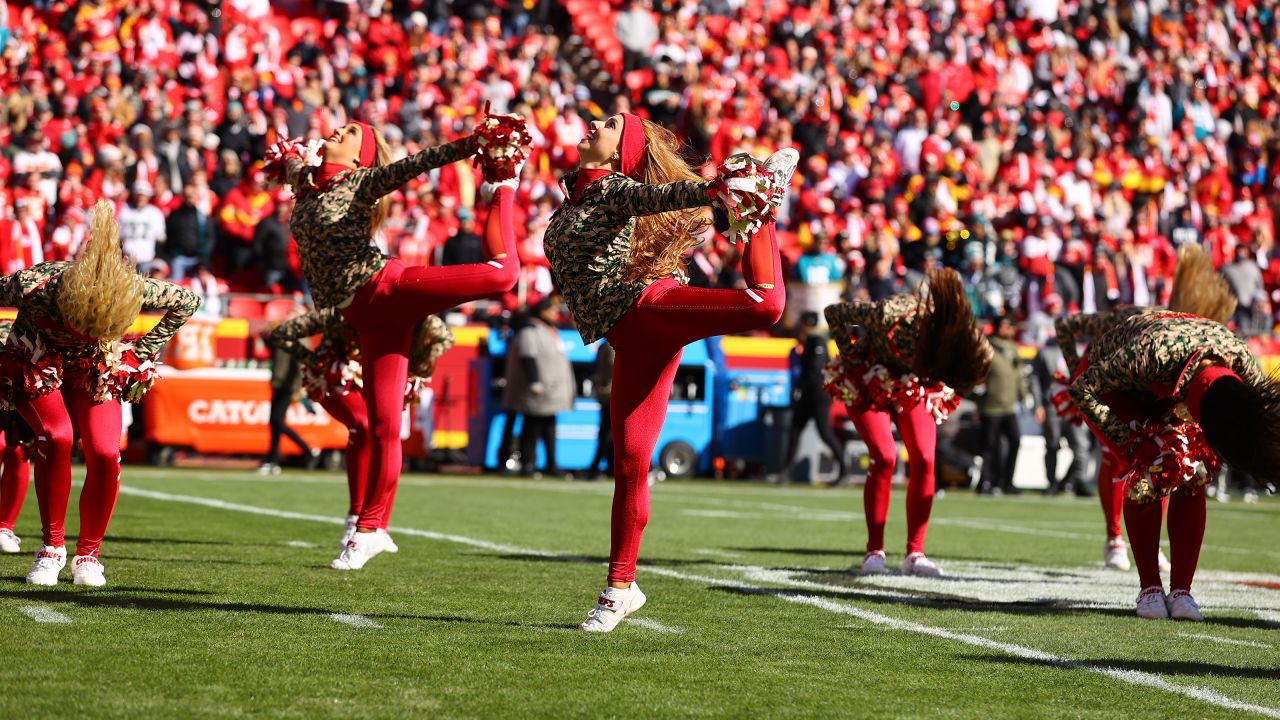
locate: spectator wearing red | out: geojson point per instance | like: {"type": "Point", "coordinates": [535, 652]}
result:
{"type": "Point", "coordinates": [242, 209]}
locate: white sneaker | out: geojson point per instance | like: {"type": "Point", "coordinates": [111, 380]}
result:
{"type": "Point", "coordinates": [1115, 555]}
{"type": "Point", "coordinates": [1151, 604]}
{"type": "Point", "coordinates": [917, 564]}
{"type": "Point", "coordinates": [612, 607]}
{"type": "Point", "coordinates": [348, 530]}
{"type": "Point", "coordinates": [86, 570]}
{"type": "Point", "coordinates": [1165, 565]}
{"type": "Point", "coordinates": [9, 543]}
{"type": "Point", "coordinates": [1184, 607]}
{"type": "Point", "coordinates": [268, 469]}
{"type": "Point", "coordinates": [873, 564]}
{"type": "Point", "coordinates": [1250, 497]}
{"type": "Point", "coordinates": [392, 547]}
{"type": "Point", "coordinates": [49, 562]}
{"type": "Point", "coordinates": [362, 548]}
{"type": "Point", "coordinates": [781, 165]}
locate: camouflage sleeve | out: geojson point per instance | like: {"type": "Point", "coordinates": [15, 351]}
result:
{"type": "Point", "coordinates": [842, 315]}
{"type": "Point", "coordinates": [296, 172]}
{"type": "Point", "coordinates": [379, 181]}
{"type": "Point", "coordinates": [6, 327]}
{"type": "Point", "coordinates": [10, 290]}
{"type": "Point", "coordinates": [1071, 328]}
{"type": "Point", "coordinates": [627, 198]}
{"type": "Point", "coordinates": [1105, 375]}
{"type": "Point", "coordinates": [432, 339]}
{"type": "Point", "coordinates": [287, 335]}
{"type": "Point", "coordinates": [177, 302]}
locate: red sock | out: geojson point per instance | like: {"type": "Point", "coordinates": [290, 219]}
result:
{"type": "Point", "coordinates": [1142, 520]}
{"type": "Point", "coordinates": [1186, 533]}
{"type": "Point", "coordinates": [48, 418]}
{"type": "Point", "coordinates": [13, 480]}
{"type": "Point", "coordinates": [100, 426]}
{"type": "Point", "coordinates": [919, 433]}
{"type": "Point", "coordinates": [349, 410]}
{"type": "Point", "coordinates": [1110, 493]}
{"type": "Point", "coordinates": [875, 429]}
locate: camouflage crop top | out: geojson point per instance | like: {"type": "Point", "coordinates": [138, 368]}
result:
{"type": "Point", "coordinates": [889, 333]}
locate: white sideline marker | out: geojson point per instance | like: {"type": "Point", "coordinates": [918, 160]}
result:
{"type": "Point", "coordinates": [355, 621]}
{"type": "Point", "coordinates": [1132, 677]}
{"type": "Point", "coordinates": [44, 615]}
{"type": "Point", "coordinates": [301, 544]}
{"type": "Point", "coordinates": [1224, 641]}
{"type": "Point", "coordinates": [656, 626]}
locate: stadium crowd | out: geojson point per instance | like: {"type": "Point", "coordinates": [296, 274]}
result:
{"type": "Point", "coordinates": [1055, 152]}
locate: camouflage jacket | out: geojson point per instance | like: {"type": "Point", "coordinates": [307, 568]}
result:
{"type": "Point", "coordinates": [35, 290]}
{"type": "Point", "coordinates": [430, 340]}
{"type": "Point", "coordinates": [1074, 329]}
{"type": "Point", "coordinates": [589, 244]}
{"type": "Point", "coordinates": [332, 227]}
{"type": "Point", "coordinates": [888, 330]}
{"type": "Point", "coordinates": [1154, 354]}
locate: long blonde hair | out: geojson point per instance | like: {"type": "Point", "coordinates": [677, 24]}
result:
{"type": "Point", "coordinates": [381, 205]}
{"type": "Point", "coordinates": [101, 293]}
{"type": "Point", "coordinates": [1198, 289]}
{"type": "Point", "coordinates": [660, 241]}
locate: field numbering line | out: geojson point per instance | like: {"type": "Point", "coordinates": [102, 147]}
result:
{"type": "Point", "coordinates": [1224, 641]}
{"type": "Point", "coordinates": [1132, 677]}
{"type": "Point", "coordinates": [355, 621]}
{"type": "Point", "coordinates": [656, 626]}
{"type": "Point", "coordinates": [44, 615]}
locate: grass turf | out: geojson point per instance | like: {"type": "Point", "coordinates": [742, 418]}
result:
{"type": "Point", "coordinates": [224, 612]}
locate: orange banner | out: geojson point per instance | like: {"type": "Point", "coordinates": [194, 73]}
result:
{"type": "Point", "coordinates": [222, 412]}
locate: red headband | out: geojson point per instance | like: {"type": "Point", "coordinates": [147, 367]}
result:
{"type": "Point", "coordinates": [631, 147]}
{"type": "Point", "coordinates": [368, 146]}
{"type": "Point", "coordinates": [1200, 384]}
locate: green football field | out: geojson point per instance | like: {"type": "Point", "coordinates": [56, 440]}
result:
{"type": "Point", "coordinates": [220, 604]}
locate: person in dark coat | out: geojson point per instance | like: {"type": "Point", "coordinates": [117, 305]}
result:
{"type": "Point", "coordinates": [809, 402]}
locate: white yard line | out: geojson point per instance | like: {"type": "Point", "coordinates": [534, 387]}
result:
{"type": "Point", "coordinates": [355, 621]}
{"type": "Point", "coordinates": [1132, 677]}
{"type": "Point", "coordinates": [301, 544]}
{"type": "Point", "coordinates": [1224, 641]}
{"type": "Point", "coordinates": [44, 615]}
{"type": "Point", "coordinates": [656, 626]}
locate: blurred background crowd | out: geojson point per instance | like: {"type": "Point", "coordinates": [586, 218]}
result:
{"type": "Point", "coordinates": [1055, 152]}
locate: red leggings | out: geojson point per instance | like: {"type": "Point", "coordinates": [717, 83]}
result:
{"type": "Point", "coordinates": [648, 341]}
{"type": "Point", "coordinates": [14, 476]}
{"type": "Point", "coordinates": [1110, 492]}
{"type": "Point", "coordinates": [54, 418]}
{"type": "Point", "coordinates": [919, 433]}
{"type": "Point", "coordinates": [1186, 533]}
{"type": "Point", "coordinates": [350, 410]}
{"type": "Point", "coordinates": [384, 313]}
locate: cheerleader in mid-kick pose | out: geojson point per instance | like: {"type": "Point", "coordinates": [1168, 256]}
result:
{"type": "Point", "coordinates": [332, 377]}
{"type": "Point", "coordinates": [340, 207]}
{"type": "Point", "coordinates": [15, 466]}
{"type": "Point", "coordinates": [911, 357]}
{"type": "Point", "coordinates": [634, 208]}
{"type": "Point", "coordinates": [66, 370]}
{"type": "Point", "coordinates": [1170, 393]}
{"type": "Point", "coordinates": [1198, 289]}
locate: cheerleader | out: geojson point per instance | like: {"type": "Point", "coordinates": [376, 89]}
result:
{"type": "Point", "coordinates": [912, 357]}
{"type": "Point", "coordinates": [1171, 393]}
{"type": "Point", "coordinates": [339, 210]}
{"type": "Point", "coordinates": [634, 208]}
{"type": "Point", "coordinates": [15, 467]}
{"type": "Point", "coordinates": [332, 377]}
{"type": "Point", "coordinates": [66, 370]}
{"type": "Point", "coordinates": [1198, 289]}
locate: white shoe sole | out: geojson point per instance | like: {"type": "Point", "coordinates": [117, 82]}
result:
{"type": "Point", "coordinates": [9, 548]}
{"type": "Point", "coordinates": [90, 581]}
{"type": "Point", "coordinates": [782, 166]}
{"type": "Point", "coordinates": [42, 580]}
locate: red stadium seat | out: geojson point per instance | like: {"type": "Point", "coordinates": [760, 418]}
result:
{"type": "Point", "coordinates": [245, 308]}
{"type": "Point", "coordinates": [278, 309]}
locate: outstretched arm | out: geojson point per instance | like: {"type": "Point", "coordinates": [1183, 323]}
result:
{"type": "Point", "coordinates": [379, 181]}
{"type": "Point", "coordinates": [178, 303]}
{"type": "Point", "coordinates": [628, 198]}
{"type": "Point", "coordinates": [290, 332]}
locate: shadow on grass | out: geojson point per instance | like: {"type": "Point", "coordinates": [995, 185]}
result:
{"type": "Point", "coordinates": [1160, 667]}
{"type": "Point", "coordinates": [163, 541]}
{"type": "Point", "coordinates": [109, 599]}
